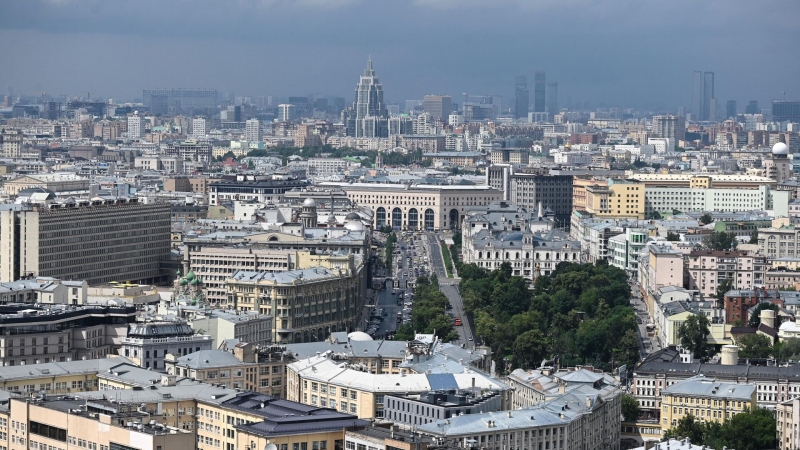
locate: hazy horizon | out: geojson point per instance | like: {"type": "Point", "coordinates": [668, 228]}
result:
{"type": "Point", "coordinates": [624, 53]}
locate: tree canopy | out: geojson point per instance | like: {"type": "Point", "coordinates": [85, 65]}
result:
{"type": "Point", "coordinates": [720, 240]}
{"type": "Point", "coordinates": [693, 334]}
{"type": "Point", "coordinates": [755, 346]}
{"type": "Point", "coordinates": [755, 318]}
{"type": "Point", "coordinates": [748, 430]}
{"type": "Point", "coordinates": [706, 219]}
{"type": "Point", "coordinates": [580, 314]}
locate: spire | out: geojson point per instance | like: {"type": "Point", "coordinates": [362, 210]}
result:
{"type": "Point", "coordinates": [540, 209]}
{"type": "Point", "coordinates": [369, 62]}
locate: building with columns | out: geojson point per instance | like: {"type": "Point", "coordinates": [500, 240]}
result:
{"type": "Point", "coordinates": [418, 207]}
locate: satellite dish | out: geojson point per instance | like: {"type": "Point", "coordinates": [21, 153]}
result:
{"type": "Point", "coordinates": [270, 446]}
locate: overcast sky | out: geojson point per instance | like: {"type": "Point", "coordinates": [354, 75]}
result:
{"type": "Point", "coordinates": [638, 53]}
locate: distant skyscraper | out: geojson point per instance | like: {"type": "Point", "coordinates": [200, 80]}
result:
{"type": "Point", "coordinates": [786, 111]}
{"type": "Point", "coordinates": [199, 128]}
{"type": "Point", "coordinates": [708, 94]}
{"type": "Point", "coordinates": [286, 112]}
{"type": "Point", "coordinates": [672, 127]}
{"type": "Point", "coordinates": [539, 92]}
{"type": "Point", "coordinates": [697, 95]}
{"type": "Point", "coordinates": [752, 108]}
{"type": "Point", "coordinates": [439, 106]}
{"type": "Point", "coordinates": [712, 110]}
{"type": "Point", "coordinates": [730, 110]}
{"type": "Point", "coordinates": [552, 99]}
{"type": "Point", "coordinates": [252, 130]}
{"type": "Point", "coordinates": [174, 101]}
{"type": "Point", "coordinates": [135, 126]}
{"type": "Point", "coordinates": [369, 101]}
{"type": "Point", "coordinates": [521, 97]}
{"type": "Point", "coordinates": [413, 105]}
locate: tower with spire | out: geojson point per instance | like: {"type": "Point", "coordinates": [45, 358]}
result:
{"type": "Point", "coordinates": [371, 115]}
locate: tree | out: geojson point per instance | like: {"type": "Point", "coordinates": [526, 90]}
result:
{"type": "Point", "coordinates": [656, 215]}
{"type": "Point", "coordinates": [693, 335]}
{"type": "Point", "coordinates": [722, 288]}
{"type": "Point", "coordinates": [530, 348]}
{"type": "Point", "coordinates": [627, 351]}
{"type": "Point", "coordinates": [720, 240]}
{"type": "Point", "coordinates": [630, 408]}
{"type": "Point", "coordinates": [755, 318]}
{"type": "Point", "coordinates": [753, 237]}
{"type": "Point", "coordinates": [673, 237]}
{"type": "Point", "coordinates": [754, 346]}
{"type": "Point", "coordinates": [706, 219]}
{"type": "Point", "coordinates": [748, 430]}
{"type": "Point", "coordinates": [790, 349]}
{"type": "Point", "coordinates": [688, 426]}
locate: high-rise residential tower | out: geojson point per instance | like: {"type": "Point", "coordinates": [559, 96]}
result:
{"type": "Point", "coordinates": [539, 92]}
{"type": "Point", "coordinates": [552, 99]}
{"type": "Point", "coordinates": [697, 95]}
{"type": "Point", "coordinates": [752, 108]}
{"type": "Point", "coordinates": [198, 128]}
{"type": "Point", "coordinates": [438, 106]}
{"type": "Point", "coordinates": [521, 97]}
{"type": "Point", "coordinates": [670, 127]}
{"type": "Point", "coordinates": [135, 126]}
{"type": "Point", "coordinates": [708, 94]}
{"type": "Point", "coordinates": [252, 130]}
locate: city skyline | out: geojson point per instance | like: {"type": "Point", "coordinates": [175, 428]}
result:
{"type": "Point", "coordinates": [318, 55]}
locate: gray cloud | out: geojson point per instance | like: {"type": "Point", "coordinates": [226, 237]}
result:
{"type": "Point", "coordinates": [625, 52]}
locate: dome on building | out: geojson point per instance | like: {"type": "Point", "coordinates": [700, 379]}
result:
{"type": "Point", "coordinates": [190, 276]}
{"type": "Point", "coordinates": [359, 336]}
{"type": "Point", "coordinates": [196, 282]}
{"type": "Point", "coordinates": [710, 163]}
{"type": "Point", "coordinates": [352, 216]}
{"type": "Point", "coordinates": [780, 149]}
{"type": "Point", "coordinates": [331, 218]}
{"type": "Point", "coordinates": [354, 225]}
{"type": "Point", "coordinates": [310, 202]}
{"type": "Point", "coordinates": [183, 282]}
{"type": "Point", "coordinates": [671, 164]}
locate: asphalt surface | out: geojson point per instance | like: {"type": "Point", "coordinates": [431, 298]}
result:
{"type": "Point", "coordinates": [647, 344]}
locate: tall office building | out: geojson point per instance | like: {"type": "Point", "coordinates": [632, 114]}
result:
{"type": "Point", "coordinates": [252, 130]}
{"type": "Point", "coordinates": [135, 126]}
{"type": "Point", "coordinates": [697, 95]}
{"type": "Point", "coordinates": [670, 127]}
{"type": "Point", "coordinates": [539, 92]}
{"type": "Point", "coordinates": [175, 101]}
{"type": "Point", "coordinates": [552, 99]}
{"type": "Point", "coordinates": [438, 106]}
{"type": "Point", "coordinates": [752, 108]}
{"type": "Point", "coordinates": [286, 112]}
{"type": "Point", "coordinates": [98, 241]}
{"type": "Point", "coordinates": [198, 128]}
{"type": "Point", "coordinates": [708, 95]}
{"type": "Point", "coordinates": [731, 109]}
{"type": "Point", "coordinates": [521, 97]}
{"type": "Point", "coordinates": [369, 103]}
{"type": "Point", "coordinates": [786, 111]}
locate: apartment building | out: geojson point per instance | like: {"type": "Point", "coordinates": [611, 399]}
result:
{"type": "Point", "coordinates": [190, 150]}
{"type": "Point", "coordinates": [322, 381]}
{"type": "Point", "coordinates": [41, 334]}
{"type": "Point", "coordinates": [148, 343]}
{"type": "Point", "coordinates": [739, 301]}
{"type": "Point", "coordinates": [60, 423]}
{"type": "Point", "coordinates": [572, 421]}
{"type": "Point", "coordinates": [262, 191]}
{"type": "Point", "coordinates": [411, 410]}
{"type": "Point", "coordinates": [306, 304]}
{"type": "Point", "coordinates": [661, 266]}
{"type": "Point", "coordinates": [10, 143]}
{"type": "Point", "coordinates": [510, 156]}
{"type": "Point", "coordinates": [222, 325]}
{"type": "Point", "coordinates": [528, 188]}
{"type": "Point", "coordinates": [619, 199]}
{"type": "Point", "coordinates": [624, 250]}
{"type": "Point", "coordinates": [779, 241]}
{"type": "Point", "coordinates": [197, 185]}
{"type": "Point", "coordinates": [707, 269]}
{"type": "Point", "coordinates": [706, 399]}
{"type": "Point", "coordinates": [787, 415]}
{"type": "Point", "coordinates": [241, 367]}
{"type": "Point", "coordinates": [535, 386]}
{"type": "Point", "coordinates": [98, 241]}
{"type": "Point", "coordinates": [161, 163]}
{"type": "Point", "coordinates": [665, 200]}
{"type": "Point", "coordinates": [324, 167]}
{"type": "Point", "coordinates": [418, 207]}
{"type": "Point", "coordinates": [44, 290]}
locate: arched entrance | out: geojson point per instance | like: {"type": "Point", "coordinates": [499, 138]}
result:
{"type": "Point", "coordinates": [397, 218]}
{"type": "Point", "coordinates": [380, 217]}
{"type": "Point", "coordinates": [452, 218]}
{"type": "Point", "coordinates": [413, 219]}
{"type": "Point", "coordinates": [429, 219]}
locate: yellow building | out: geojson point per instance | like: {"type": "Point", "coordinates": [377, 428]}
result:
{"type": "Point", "coordinates": [705, 399]}
{"type": "Point", "coordinates": [619, 199]}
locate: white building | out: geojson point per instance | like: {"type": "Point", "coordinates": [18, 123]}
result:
{"type": "Point", "coordinates": [252, 130]}
{"type": "Point", "coordinates": [326, 166]}
{"type": "Point", "coordinates": [686, 199]}
{"type": "Point", "coordinates": [199, 128]}
{"type": "Point", "coordinates": [286, 112]}
{"type": "Point", "coordinates": [135, 126]}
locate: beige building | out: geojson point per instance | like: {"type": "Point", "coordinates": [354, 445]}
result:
{"type": "Point", "coordinates": [307, 304]}
{"type": "Point", "coordinates": [418, 207]}
{"type": "Point", "coordinates": [619, 199]}
{"type": "Point", "coordinates": [707, 269]}
{"type": "Point", "coordinates": [56, 182]}
{"type": "Point", "coordinates": [735, 181]}
{"type": "Point", "coordinates": [706, 399]}
{"type": "Point", "coordinates": [323, 381]}
{"type": "Point", "coordinates": [197, 185]}
{"type": "Point", "coordinates": [787, 415]}
{"type": "Point", "coordinates": [510, 156]}
{"type": "Point", "coordinates": [240, 367]}
{"type": "Point", "coordinates": [10, 143]}
{"type": "Point", "coordinates": [98, 241]}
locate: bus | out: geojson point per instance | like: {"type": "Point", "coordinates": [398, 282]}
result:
{"type": "Point", "coordinates": [458, 321]}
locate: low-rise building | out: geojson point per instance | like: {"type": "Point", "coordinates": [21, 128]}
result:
{"type": "Point", "coordinates": [706, 399]}
{"type": "Point", "coordinates": [147, 343]}
{"type": "Point", "coordinates": [708, 269]}
{"type": "Point", "coordinates": [787, 415]}
{"type": "Point", "coordinates": [221, 325]}
{"type": "Point", "coordinates": [533, 387]}
{"type": "Point", "coordinates": [418, 409]}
